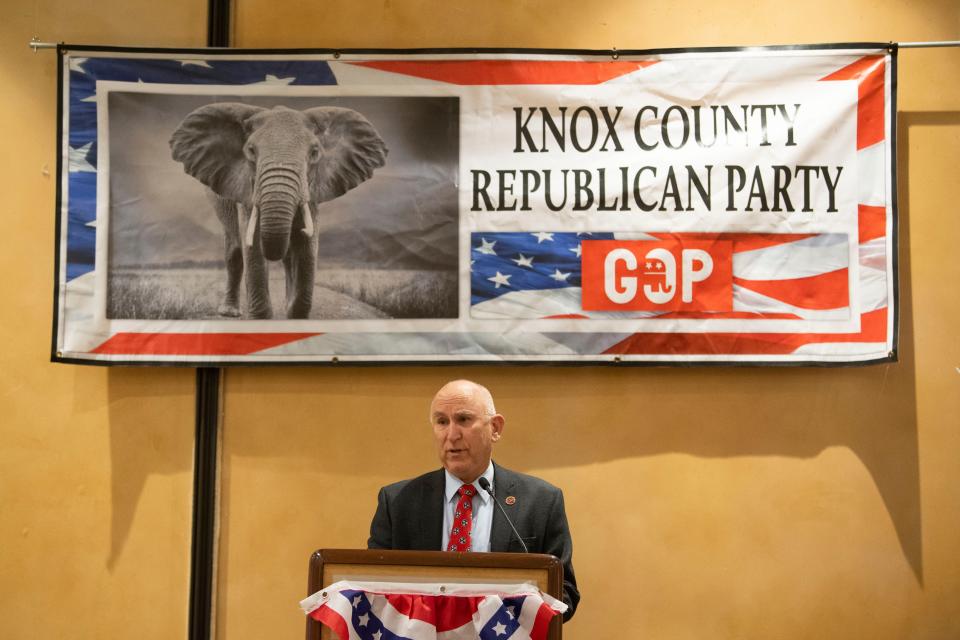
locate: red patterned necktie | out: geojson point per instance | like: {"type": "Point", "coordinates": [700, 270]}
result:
{"type": "Point", "coordinates": [462, 520]}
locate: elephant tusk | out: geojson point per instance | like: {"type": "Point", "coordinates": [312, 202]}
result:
{"type": "Point", "coordinates": [307, 220]}
{"type": "Point", "coordinates": [305, 202]}
{"type": "Point", "coordinates": [251, 226]}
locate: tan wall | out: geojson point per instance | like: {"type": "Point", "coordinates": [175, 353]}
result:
{"type": "Point", "coordinates": [792, 503]}
{"type": "Point", "coordinates": [784, 503]}
{"type": "Point", "coordinates": [95, 464]}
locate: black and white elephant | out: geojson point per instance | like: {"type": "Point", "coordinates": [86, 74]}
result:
{"type": "Point", "coordinates": [269, 169]}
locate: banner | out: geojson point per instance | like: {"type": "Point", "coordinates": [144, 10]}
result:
{"type": "Point", "coordinates": [683, 206]}
{"type": "Point", "coordinates": [427, 611]}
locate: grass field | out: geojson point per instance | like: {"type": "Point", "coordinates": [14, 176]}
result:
{"type": "Point", "coordinates": [165, 294]}
{"type": "Point", "coordinates": [195, 294]}
{"type": "Point", "coordinates": [399, 294]}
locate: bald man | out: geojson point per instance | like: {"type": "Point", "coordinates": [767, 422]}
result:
{"type": "Point", "coordinates": [426, 512]}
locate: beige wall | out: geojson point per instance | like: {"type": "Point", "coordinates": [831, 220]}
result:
{"type": "Point", "coordinates": [95, 463]}
{"type": "Point", "coordinates": [784, 503]}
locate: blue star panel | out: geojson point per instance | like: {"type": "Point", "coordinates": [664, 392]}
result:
{"type": "Point", "coordinates": [526, 261]}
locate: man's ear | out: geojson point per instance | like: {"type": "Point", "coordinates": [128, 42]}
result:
{"type": "Point", "coordinates": [497, 422]}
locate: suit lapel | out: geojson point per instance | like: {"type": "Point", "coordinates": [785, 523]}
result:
{"type": "Point", "coordinates": [505, 484]}
{"type": "Point", "coordinates": [431, 516]}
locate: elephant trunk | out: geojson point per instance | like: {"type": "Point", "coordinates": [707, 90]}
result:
{"type": "Point", "coordinates": [279, 195]}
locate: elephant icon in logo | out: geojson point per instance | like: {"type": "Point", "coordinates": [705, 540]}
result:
{"type": "Point", "coordinates": [660, 276]}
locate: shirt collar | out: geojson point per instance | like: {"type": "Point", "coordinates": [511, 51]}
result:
{"type": "Point", "coordinates": [453, 484]}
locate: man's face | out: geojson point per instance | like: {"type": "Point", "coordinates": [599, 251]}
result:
{"type": "Point", "coordinates": [463, 430]}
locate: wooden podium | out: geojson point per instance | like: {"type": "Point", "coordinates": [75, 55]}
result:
{"type": "Point", "coordinates": [379, 565]}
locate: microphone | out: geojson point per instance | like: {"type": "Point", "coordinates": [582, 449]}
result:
{"type": "Point", "coordinates": [485, 485]}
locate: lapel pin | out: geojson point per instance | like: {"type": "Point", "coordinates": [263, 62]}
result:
{"type": "Point", "coordinates": [511, 500]}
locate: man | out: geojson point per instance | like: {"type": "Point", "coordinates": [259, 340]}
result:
{"type": "Point", "coordinates": [431, 512]}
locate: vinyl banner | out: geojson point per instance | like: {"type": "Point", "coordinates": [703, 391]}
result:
{"type": "Point", "coordinates": [683, 206]}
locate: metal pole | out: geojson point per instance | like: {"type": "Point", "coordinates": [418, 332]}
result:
{"type": "Point", "coordinates": [35, 43]}
{"type": "Point", "coordinates": [218, 23]}
{"type": "Point", "coordinates": [928, 45]}
{"type": "Point", "coordinates": [206, 462]}
{"type": "Point", "coordinates": [203, 549]}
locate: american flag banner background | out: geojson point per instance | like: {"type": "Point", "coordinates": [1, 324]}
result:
{"type": "Point", "coordinates": [729, 205]}
{"type": "Point", "coordinates": [395, 611]}
{"type": "Point", "coordinates": [542, 276]}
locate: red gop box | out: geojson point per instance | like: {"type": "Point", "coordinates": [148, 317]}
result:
{"type": "Point", "coordinates": [677, 273]}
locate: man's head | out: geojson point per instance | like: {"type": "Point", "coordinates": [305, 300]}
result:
{"type": "Point", "coordinates": [465, 427]}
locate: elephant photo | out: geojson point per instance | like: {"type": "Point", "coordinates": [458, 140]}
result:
{"type": "Point", "coordinates": [269, 169]}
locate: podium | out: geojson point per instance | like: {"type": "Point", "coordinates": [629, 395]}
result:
{"type": "Point", "coordinates": [380, 565]}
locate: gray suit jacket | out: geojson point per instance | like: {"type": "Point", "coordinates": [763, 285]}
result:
{"type": "Point", "coordinates": [410, 516]}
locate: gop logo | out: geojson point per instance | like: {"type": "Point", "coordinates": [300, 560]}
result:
{"type": "Point", "coordinates": [679, 274]}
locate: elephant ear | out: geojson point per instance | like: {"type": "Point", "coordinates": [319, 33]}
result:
{"type": "Point", "coordinates": [209, 142]}
{"type": "Point", "coordinates": [352, 149]}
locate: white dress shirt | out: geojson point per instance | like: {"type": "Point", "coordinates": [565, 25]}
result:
{"type": "Point", "coordinates": [482, 510]}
